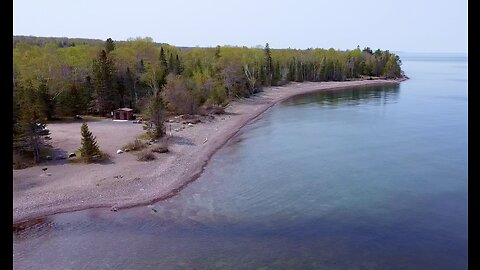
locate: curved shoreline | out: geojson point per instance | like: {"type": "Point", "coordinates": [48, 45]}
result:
{"type": "Point", "coordinates": [246, 111]}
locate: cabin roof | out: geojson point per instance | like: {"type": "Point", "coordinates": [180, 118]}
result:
{"type": "Point", "coordinates": [124, 109]}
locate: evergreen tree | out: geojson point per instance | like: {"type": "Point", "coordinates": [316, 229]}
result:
{"type": "Point", "coordinates": [109, 45]}
{"type": "Point", "coordinates": [163, 59]}
{"type": "Point", "coordinates": [291, 70]}
{"type": "Point", "coordinates": [45, 100]}
{"type": "Point", "coordinates": [171, 64]}
{"type": "Point", "coordinates": [141, 66]}
{"type": "Point", "coordinates": [262, 76]}
{"type": "Point", "coordinates": [130, 85]}
{"type": "Point", "coordinates": [178, 66]}
{"type": "Point", "coordinates": [121, 90]}
{"type": "Point", "coordinates": [276, 74]}
{"type": "Point", "coordinates": [89, 149]}
{"type": "Point", "coordinates": [217, 52]}
{"type": "Point", "coordinates": [87, 94]}
{"type": "Point", "coordinates": [30, 122]}
{"type": "Point", "coordinates": [105, 95]}
{"type": "Point", "coordinates": [268, 65]}
{"type": "Point", "coordinates": [70, 102]}
{"type": "Point", "coordinates": [368, 50]}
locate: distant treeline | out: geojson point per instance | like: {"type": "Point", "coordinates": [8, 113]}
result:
{"type": "Point", "coordinates": [66, 42]}
{"type": "Point", "coordinates": [60, 41]}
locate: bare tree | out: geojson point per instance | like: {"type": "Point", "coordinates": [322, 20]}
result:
{"type": "Point", "coordinates": [250, 77]}
{"type": "Point", "coordinates": [178, 96]}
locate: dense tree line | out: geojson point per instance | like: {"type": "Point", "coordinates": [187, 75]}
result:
{"type": "Point", "coordinates": [61, 41]}
{"type": "Point", "coordinates": [65, 78]}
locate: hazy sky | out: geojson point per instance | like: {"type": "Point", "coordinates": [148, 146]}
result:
{"type": "Point", "coordinates": [396, 25]}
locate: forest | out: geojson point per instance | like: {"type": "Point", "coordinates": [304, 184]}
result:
{"type": "Point", "coordinates": [59, 77]}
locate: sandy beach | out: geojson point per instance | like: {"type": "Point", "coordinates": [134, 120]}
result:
{"type": "Point", "coordinates": [125, 182]}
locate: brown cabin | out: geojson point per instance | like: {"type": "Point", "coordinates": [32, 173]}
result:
{"type": "Point", "coordinates": [123, 114]}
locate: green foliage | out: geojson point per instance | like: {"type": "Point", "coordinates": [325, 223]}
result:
{"type": "Point", "coordinates": [29, 120]}
{"type": "Point", "coordinates": [268, 65]}
{"type": "Point", "coordinates": [163, 59]}
{"type": "Point", "coordinates": [72, 76]}
{"type": "Point", "coordinates": [217, 96]}
{"type": "Point", "coordinates": [89, 150]}
{"type": "Point", "coordinates": [109, 45]}
{"type": "Point", "coordinates": [178, 65]}
{"type": "Point", "coordinates": [171, 64]}
{"type": "Point", "coordinates": [104, 73]}
{"type": "Point", "coordinates": [156, 115]}
{"type": "Point", "coordinates": [392, 67]}
{"type": "Point", "coordinates": [41, 41]}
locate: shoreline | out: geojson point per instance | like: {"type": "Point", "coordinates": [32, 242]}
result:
{"type": "Point", "coordinates": [165, 177]}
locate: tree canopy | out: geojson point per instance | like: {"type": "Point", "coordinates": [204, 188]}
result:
{"type": "Point", "coordinates": [74, 76]}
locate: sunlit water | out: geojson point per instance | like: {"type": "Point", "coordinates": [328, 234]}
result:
{"type": "Point", "coordinates": [366, 178]}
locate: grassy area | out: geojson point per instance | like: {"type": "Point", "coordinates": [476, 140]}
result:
{"type": "Point", "coordinates": [70, 119]}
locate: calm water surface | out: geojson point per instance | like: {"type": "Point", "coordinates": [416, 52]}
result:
{"type": "Point", "coordinates": [366, 178]}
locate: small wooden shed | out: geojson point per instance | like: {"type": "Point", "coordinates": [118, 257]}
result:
{"type": "Point", "coordinates": [123, 114]}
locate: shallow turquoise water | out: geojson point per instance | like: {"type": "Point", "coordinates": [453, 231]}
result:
{"type": "Point", "coordinates": [365, 178]}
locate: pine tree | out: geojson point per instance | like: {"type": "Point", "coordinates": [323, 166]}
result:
{"type": "Point", "coordinates": [89, 149]}
{"type": "Point", "coordinates": [171, 64]}
{"type": "Point", "coordinates": [262, 76]}
{"type": "Point", "coordinates": [217, 52]}
{"type": "Point", "coordinates": [45, 99]}
{"type": "Point", "coordinates": [121, 89]}
{"type": "Point", "coordinates": [87, 94]}
{"type": "Point", "coordinates": [104, 73]}
{"type": "Point", "coordinates": [268, 65]}
{"type": "Point", "coordinates": [163, 59]}
{"type": "Point", "coordinates": [178, 66]}
{"type": "Point", "coordinates": [130, 85]}
{"type": "Point", "coordinates": [141, 66]}
{"type": "Point", "coordinates": [276, 74]}
{"type": "Point", "coordinates": [31, 121]}
{"type": "Point", "coordinates": [109, 45]}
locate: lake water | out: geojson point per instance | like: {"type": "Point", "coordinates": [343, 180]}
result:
{"type": "Point", "coordinates": [365, 178]}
